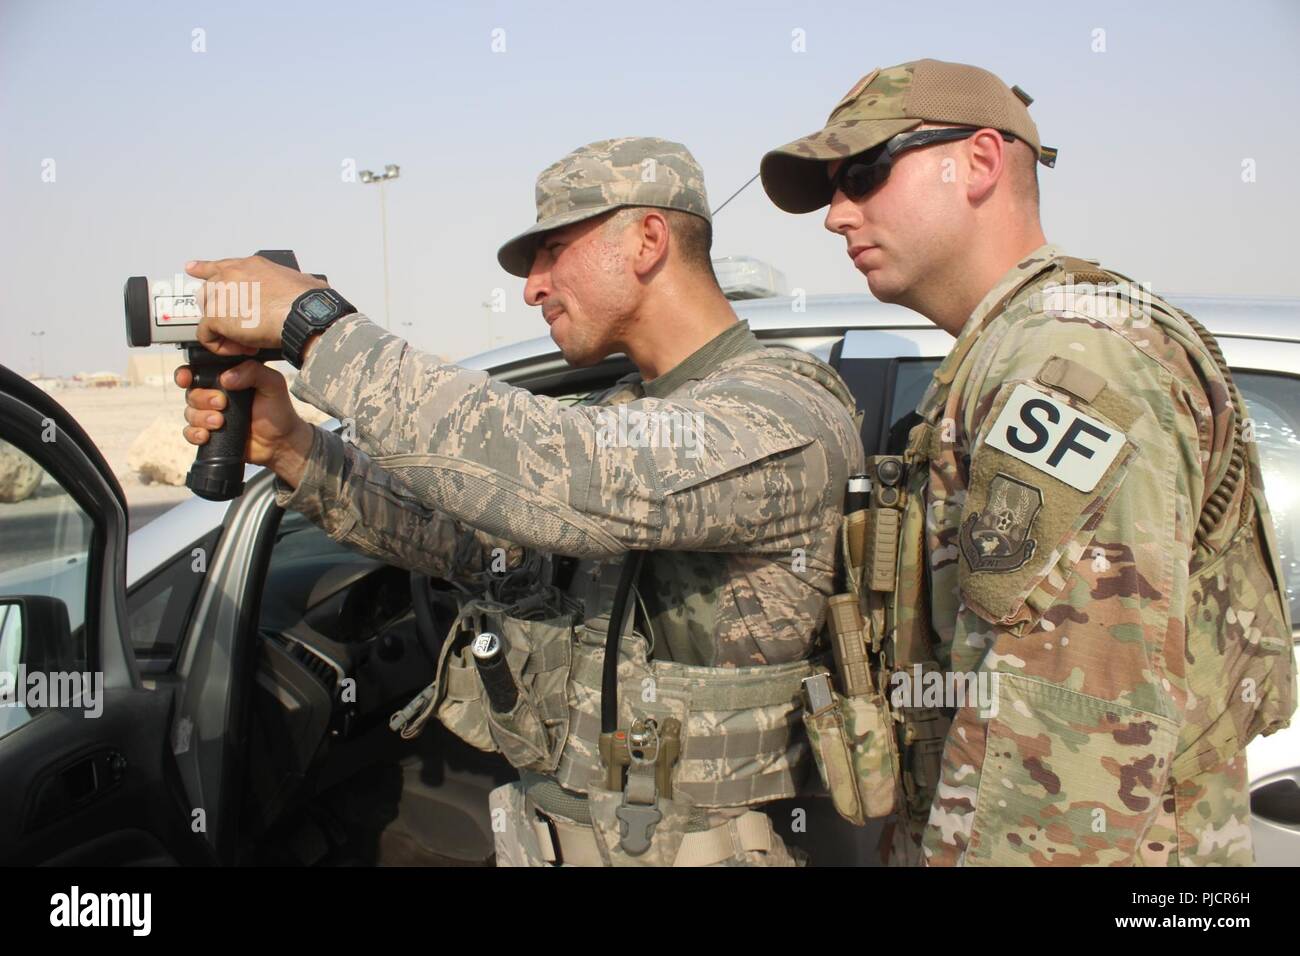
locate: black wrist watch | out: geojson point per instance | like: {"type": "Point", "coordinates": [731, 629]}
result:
{"type": "Point", "coordinates": [311, 313]}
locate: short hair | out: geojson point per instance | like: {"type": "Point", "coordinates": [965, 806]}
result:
{"type": "Point", "coordinates": [1024, 172]}
{"type": "Point", "coordinates": [1021, 165]}
{"type": "Point", "coordinates": [692, 234]}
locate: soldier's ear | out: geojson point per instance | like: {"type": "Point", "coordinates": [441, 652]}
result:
{"type": "Point", "coordinates": [653, 238]}
{"type": "Point", "coordinates": [986, 158]}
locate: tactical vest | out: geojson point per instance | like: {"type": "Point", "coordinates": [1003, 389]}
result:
{"type": "Point", "coordinates": [690, 740]}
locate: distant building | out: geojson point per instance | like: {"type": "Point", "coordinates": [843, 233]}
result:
{"type": "Point", "coordinates": [47, 383]}
{"type": "Point", "coordinates": [99, 379]}
{"type": "Point", "coordinates": [154, 368]}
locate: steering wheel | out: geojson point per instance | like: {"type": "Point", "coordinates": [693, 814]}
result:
{"type": "Point", "coordinates": [435, 608]}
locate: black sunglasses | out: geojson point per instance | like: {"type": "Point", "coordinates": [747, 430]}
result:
{"type": "Point", "coordinates": [859, 175]}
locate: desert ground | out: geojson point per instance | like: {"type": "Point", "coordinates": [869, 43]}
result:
{"type": "Point", "coordinates": [114, 418]}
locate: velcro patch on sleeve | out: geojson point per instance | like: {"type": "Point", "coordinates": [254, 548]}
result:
{"type": "Point", "coordinates": [1039, 484]}
{"type": "Point", "coordinates": [1056, 439]}
{"type": "Point", "coordinates": [1069, 376]}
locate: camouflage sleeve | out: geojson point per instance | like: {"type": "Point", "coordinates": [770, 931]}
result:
{"type": "Point", "coordinates": [1083, 486]}
{"type": "Point", "coordinates": [361, 505]}
{"type": "Point", "coordinates": [733, 465]}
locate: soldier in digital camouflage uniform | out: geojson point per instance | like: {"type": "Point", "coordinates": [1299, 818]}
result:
{"type": "Point", "coordinates": [739, 516]}
{"type": "Point", "coordinates": [1085, 517]}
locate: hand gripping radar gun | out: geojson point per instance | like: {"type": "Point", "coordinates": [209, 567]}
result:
{"type": "Point", "coordinates": [167, 311]}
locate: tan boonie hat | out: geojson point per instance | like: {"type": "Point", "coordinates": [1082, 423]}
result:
{"type": "Point", "coordinates": [890, 101]}
{"type": "Point", "coordinates": [606, 175]}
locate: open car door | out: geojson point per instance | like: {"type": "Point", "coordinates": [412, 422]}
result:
{"type": "Point", "coordinates": [86, 772]}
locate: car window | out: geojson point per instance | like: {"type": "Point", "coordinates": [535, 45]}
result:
{"type": "Point", "coordinates": [46, 537]}
{"type": "Point", "coordinates": [911, 379]}
{"type": "Point", "coordinates": [159, 607]}
{"type": "Point", "coordinates": [1274, 405]}
{"type": "Point", "coordinates": [1273, 401]}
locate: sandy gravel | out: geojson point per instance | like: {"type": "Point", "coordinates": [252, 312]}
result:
{"type": "Point", "coordinates": [113, 417]}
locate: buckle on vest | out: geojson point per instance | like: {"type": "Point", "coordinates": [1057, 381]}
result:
{"type": "Point", "coordinates": [637, 821]}
{"type": "Point", "coordinates": [648, 752]}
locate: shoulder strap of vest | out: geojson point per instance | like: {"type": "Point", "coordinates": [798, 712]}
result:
{"type": "Point", "coordinates": [1238, 470]}
{"type": "Point", "coordinates": [1212, 515]}
{"type": "Point", "coordinates": [609, 678]}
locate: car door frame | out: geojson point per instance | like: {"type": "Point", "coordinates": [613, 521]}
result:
{"type": "Point", "coordinates": [79, 789]}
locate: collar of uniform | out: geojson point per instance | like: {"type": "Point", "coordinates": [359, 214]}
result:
{"type": "Point", "coordinates": [736, 340]}
{"type": "Point", "coordinates": [1030, 264]}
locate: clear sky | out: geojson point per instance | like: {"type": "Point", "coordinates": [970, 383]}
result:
{"type": "Point", "coordinates": [162, 154]}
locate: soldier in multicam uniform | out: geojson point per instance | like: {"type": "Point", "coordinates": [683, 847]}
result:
{"type": "Point", "coordinates": [1084, 515]}
{"type": "Point", "coordinates": [735, 502]}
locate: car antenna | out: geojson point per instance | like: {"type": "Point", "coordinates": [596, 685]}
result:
{"type": "Point", "coordinates": [734, 195]}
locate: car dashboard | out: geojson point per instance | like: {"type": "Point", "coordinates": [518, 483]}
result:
{"type": "Point", "coordinates": [338, 651]}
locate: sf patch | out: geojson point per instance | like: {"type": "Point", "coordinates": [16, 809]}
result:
{"type": "Point", "coordinates": [996, 538]}
{"type": "Point", "coordinates": [1039, 485]}
{"type": "Point", "coordinates": [1051, 436]}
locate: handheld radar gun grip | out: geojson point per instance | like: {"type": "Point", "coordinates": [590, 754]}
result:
{"type": "Point", "coordinates": [218, 470]}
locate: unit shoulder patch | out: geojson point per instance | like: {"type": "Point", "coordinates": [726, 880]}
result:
{"type": "Point", "coordinates": [996, 538]}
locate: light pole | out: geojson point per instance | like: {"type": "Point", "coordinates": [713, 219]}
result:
{"type": "Point", "coordinates": [40, 352]}
{"type": "Point", "coordinates": [390, 172]}
{"type": "Point", "coordinates": [491, 307]}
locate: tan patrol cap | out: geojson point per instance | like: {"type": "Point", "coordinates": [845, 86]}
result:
{"type": "Point", "coordinates": [890, 101]}
{"type": "Point", "coordinates": [606, 175]}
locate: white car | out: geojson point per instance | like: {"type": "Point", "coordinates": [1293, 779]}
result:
{"type": "Point", "coordinates": [224, 632]}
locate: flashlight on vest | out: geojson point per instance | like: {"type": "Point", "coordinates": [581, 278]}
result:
{"type": "Point", "coordinates": [167, 311]}
{"type": "Point", "coordinates": [490, 659]}
{"type": "Point", "coordinates": [858, 495]}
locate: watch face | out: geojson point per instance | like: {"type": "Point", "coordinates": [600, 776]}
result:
{"type": "Point", "coordinates": [317, 307]}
